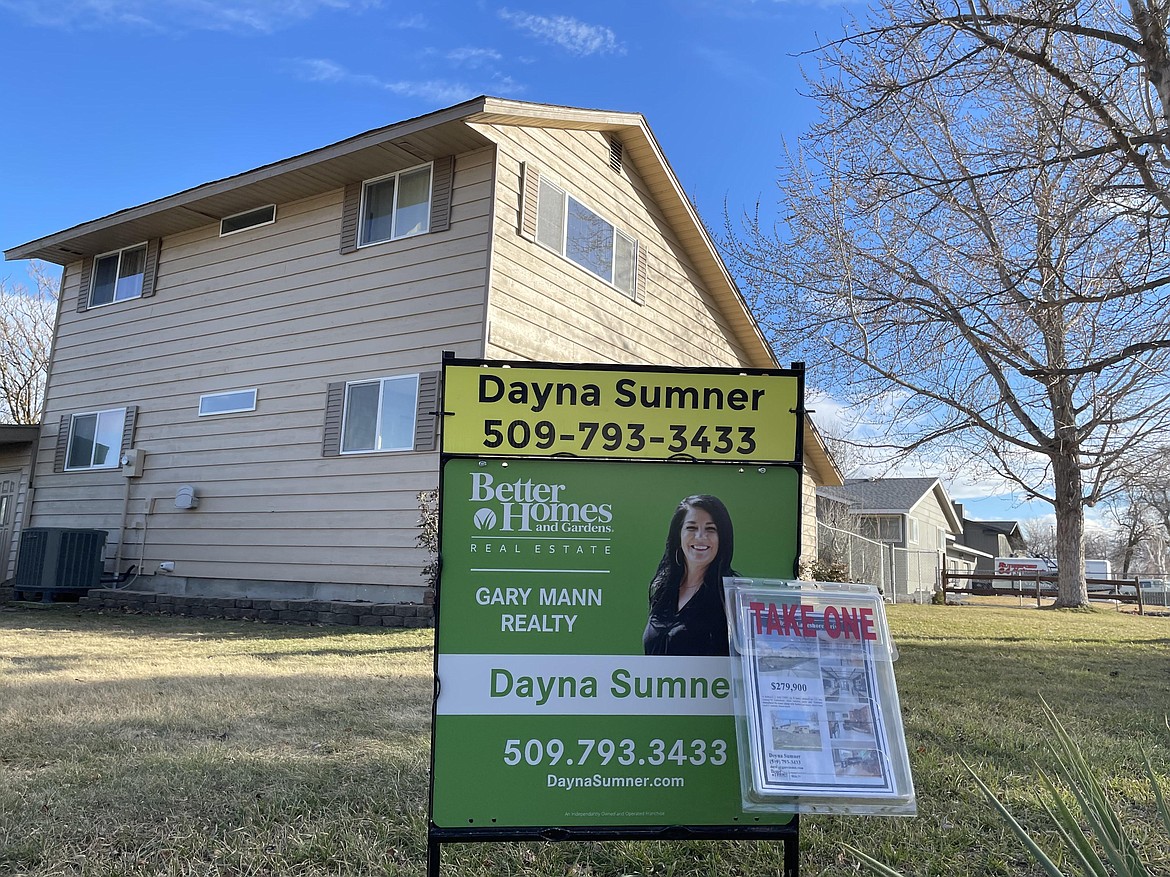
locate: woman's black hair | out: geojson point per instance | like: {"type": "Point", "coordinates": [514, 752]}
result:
{"type": "Point", "coordinates": [664, 585]}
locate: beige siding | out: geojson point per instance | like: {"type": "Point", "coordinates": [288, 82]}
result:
{"type": "Point", "coordinates": [921, 572]}
{"type": "Point", "coordinates": [279, 309]}
{"type": "Point", "coordinates": [808, 517]}
{"type": "Point", "coordinates": [14, 467]}
{"type": "Point", "coordinates": [544, 307]}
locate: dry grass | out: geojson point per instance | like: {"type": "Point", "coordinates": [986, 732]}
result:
{"type": "Point", "coordinates": [151, 746]}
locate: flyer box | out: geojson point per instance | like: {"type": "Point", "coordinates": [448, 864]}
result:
{"type": "Point", "coordinates": [818, 722]}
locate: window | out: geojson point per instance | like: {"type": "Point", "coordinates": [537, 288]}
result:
{"type": "Point", "coordinates": [380, 415]}
{"type": "Point", "coordinates": [95, 439]}
{"type": "Point", "coordinates": [248, 219]}
{"type": "Point", "coordinates": [570, 228]}
{"type": "Point", "coordinates": [396, 206]}
{"type": "Point", "coordinates": [230, 402]}
{"type": "Point", "coordinates": [118, 276]}
{"type": "Point", "coordinates": [913, 528]}
{"type": "Point", "coordinates": [884, 528]}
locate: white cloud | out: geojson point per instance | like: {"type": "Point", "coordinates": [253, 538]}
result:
{"type": "Point", "coordinates": [412, 22]}
{"type": "Point", "coordinates": [471, 57]}
{"type": "Point", "coordinates": [436, 91]}
{"type": "Point", "coordinates": [240, 16]}
{"type": "Point", "coordinates": [570, 34]}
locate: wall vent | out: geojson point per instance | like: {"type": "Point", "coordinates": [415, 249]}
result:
{"type": "Point", "coordinates": [615, 154]}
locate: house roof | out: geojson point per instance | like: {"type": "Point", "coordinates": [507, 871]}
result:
{"type": "Point", "coordinates": [19, 434]}
{"type": "Point", "coordinates": [1006, 527]}
{"type": "Point", "coordinates": [414, 140]}
{"type": "Point", "coordinates": [892, 496]}
{"type": "Point", "coordinates": [961, 550]}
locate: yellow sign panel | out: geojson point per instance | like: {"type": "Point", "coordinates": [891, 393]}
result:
{"type": "Point", "coordinates": [623, 413]}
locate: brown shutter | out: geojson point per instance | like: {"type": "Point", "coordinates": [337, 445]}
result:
{"type": "Point", "coordinates": [128, 428]}
{"type": "Point", "coordinates": [426, 418]}
{"type": "Point", "coordinates": [640, 274]}
{"type": "Point", "coordinates": [62, 444]}
{"type": "Point", "coordinates": [529, 198]}
{"type": "Point", "coordinates": [150, 271]}
{"type": "Point", "coordinates": [86, 280]}
{"type": "Point", "coordinates": [442, 179]}
{"type": "Point", "coordinates": [350, 208]}
{"type": "Point", "coordinates": [334, 407]}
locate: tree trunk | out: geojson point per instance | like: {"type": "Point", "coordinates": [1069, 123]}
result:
{"type": "Point", "coordinates": [1070, 534]}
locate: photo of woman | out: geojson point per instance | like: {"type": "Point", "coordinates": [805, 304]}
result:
{"type": "Point", "coordinates": [687, 616]}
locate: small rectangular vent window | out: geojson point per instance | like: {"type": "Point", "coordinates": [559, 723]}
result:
{"type": "Point", "coordinates": [615, 155]}
{"type": "Point", "coordinates": [250, 219]}
{"type": "Point", "coordinates": [230, 402]}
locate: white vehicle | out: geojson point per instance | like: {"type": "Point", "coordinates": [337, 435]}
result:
{"type": "Point", "coordinates": [1098, 569]}
{"type": "Point", "coordinates": [1024, 567]}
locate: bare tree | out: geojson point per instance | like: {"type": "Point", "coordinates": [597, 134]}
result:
{"type": "Point", "coordinates": [1145, 484]}
{"type": "Point", "coordinates": [26, 337]}
{"type": "Point", "coordinates": [974, 240]}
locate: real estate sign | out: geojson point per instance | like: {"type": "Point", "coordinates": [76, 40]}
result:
{"type": "Point", "coordinates": [548, 710]}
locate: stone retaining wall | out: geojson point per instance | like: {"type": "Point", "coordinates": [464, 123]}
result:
{"type": "Point", "coordinates": [272, 611]}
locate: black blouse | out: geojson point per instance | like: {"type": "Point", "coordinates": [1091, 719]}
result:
{"type": "Point", "coordinates": [699, 628]}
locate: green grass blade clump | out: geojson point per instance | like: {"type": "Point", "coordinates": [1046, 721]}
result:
{"type": "Point", "coordinates": [1094, 827]}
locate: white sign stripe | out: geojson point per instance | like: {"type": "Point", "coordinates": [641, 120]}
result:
{"type": "Point", "coordinates": [612, 685]}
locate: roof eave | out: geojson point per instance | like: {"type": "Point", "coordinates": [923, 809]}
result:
{"type": "Point", "coordinates": [56, 247]}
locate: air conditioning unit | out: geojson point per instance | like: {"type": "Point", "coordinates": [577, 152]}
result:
{"type": "Point", "coordinates": [56, 560]}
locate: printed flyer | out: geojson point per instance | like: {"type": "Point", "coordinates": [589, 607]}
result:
{"type": "Point", "coordinates": [818, 697]}
{"type": "Point", "coordinates": [568, 695]}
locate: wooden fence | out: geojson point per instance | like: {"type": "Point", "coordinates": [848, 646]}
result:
{"type": "Point", "coordinates": [1040, 586]}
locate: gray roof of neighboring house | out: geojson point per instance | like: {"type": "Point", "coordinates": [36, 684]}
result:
{"type": "Point", "coordinates": [875, 496]}
{"type": "Point", "coordinates": [1005, 527]}
{"type": "Point", "coordinates": [881, 494]}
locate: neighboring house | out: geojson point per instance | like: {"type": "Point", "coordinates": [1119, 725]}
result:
{"type": "Point", "coordinates": [268, 345]}
{"type": "Point", "coordinates": [17, 445]}
{"type": "Point", "coordinates": [991, 539]}
{"type": "Point", "coordinates": [913, 516]}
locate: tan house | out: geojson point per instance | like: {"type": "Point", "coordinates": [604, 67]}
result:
{"type": "Point", "coordinates": [913, 518]}
{"type": "Point", "coordinates": [243, 380]}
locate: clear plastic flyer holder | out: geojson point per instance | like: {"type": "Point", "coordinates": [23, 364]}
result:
{"type": "Point", "coordinates": [817, 717]}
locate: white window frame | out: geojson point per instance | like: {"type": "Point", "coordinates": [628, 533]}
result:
{"type": "Point", "coordinates": [145, 247]}
{"type": "Point", "coordinates": [224, 234]}
{"type": "Point", "coordinates": [114, 457]}
{"type": "Point", "coordinates": [209, 397]}
{"type": "Point", "coordinates": [396, 176]}
{"type": "Point", "coordinates": [378, 447]}
{"type": "Point", "coordinates": [912, 529]}
{"type": "Point", "coordinates": [562, 248]}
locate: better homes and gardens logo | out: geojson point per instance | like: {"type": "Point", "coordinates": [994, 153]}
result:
{"type": "Point", "coordinates": [527, 506]}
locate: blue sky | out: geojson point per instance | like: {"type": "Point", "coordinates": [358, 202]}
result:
{"type": "Point", "coordinates": [112, 103]}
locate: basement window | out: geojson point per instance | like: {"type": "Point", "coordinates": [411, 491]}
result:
{"type": "Point", "coordinates": [229, 402]}
{"type": "Point", "coordinates": [249, 219]}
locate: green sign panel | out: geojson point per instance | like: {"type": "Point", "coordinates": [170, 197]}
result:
{"type": "Point", "coordinates": [562, 700]}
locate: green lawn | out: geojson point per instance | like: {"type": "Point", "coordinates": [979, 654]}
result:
{"type": "Point", "coordinates": [132, 745]}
